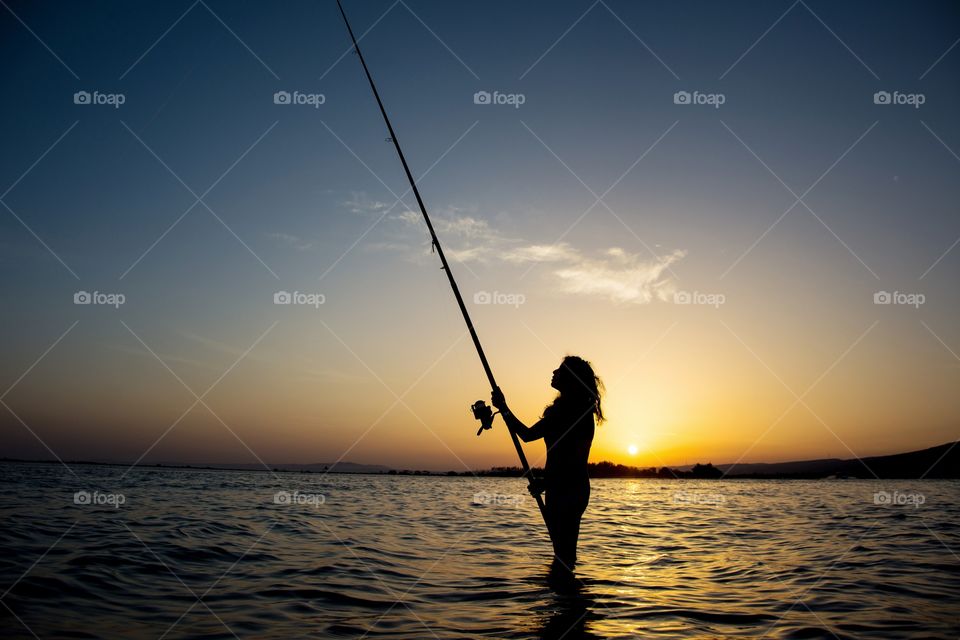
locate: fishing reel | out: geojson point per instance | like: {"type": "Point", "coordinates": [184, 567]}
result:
{"type": "Point", "coordinates": [484, 414]}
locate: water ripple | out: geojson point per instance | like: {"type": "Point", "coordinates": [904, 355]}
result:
{"type": "Point", "coordinates": [212, 554]}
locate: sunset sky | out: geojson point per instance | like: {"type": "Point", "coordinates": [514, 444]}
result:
{"type": "Point", "coordinates": [588, 215]}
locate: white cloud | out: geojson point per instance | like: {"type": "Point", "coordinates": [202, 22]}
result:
{"type": "Point", "coordinates": [412, 218]}
{"type": "Point", "coordinates": [291, 240]}
{"type": "Point", "coordinates": [464, 237]}
{"type": "Point", "coordinates": [614, 274]}
{"type": "Point", "coordinates": [541, 253]}
{"type": "Point", "coordinates": [361, 203]}
{"type": "Point", "coordinates": [387, 246]}
{"type": "Point", "coordinates": [620, 277]}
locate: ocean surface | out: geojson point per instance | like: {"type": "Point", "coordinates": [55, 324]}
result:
{"type": "Point", "coordinates": [164, 553]}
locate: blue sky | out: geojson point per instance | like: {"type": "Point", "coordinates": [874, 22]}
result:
{"type": "Point", "coordinates": [300, 200]}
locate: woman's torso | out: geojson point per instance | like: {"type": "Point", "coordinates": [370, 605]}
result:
{"type": "Point", "coordinates": [568, 440]}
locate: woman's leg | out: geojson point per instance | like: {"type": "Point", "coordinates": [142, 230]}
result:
{"type": "Point", "coordinates": [565, 511]}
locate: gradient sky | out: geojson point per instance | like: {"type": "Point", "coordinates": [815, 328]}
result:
{"type": "Point", "coordinates": [797, 362]}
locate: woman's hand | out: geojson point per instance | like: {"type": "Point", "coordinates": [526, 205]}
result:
{"type": "Point", "coordinates": [497, 399]}
{"type": "Point", "coordinates": [536, 486]}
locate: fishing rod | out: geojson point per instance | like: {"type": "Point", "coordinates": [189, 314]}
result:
{"type": "Point", "coordinates": [446, 267]}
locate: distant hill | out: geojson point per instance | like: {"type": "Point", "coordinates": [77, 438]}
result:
{"type": "Point", "coordinates": [934, 463]}
{"type": "Point", "coordinates": [825, 466]}
{"type": "Point", "coordinates": [942, 461]}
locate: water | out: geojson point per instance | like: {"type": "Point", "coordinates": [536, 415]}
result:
{"type": "Point", "coordinates": [211, 554]}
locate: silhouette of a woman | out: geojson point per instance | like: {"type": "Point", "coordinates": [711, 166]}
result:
{"type": "Point", "coordinates": [567, 427]}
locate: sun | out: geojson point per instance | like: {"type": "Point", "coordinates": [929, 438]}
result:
{"type": "Point", "coordinates": [632, 449]}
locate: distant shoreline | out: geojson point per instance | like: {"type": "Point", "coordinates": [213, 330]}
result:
{"type": "Point", "coordinates": [935, 463]}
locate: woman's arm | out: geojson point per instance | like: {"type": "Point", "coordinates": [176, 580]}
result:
{"type": "Point", "coordinates": [525, 433]}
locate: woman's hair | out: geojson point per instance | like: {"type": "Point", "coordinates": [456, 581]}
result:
{"type": "Point", "coordinates": [585, 390]}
